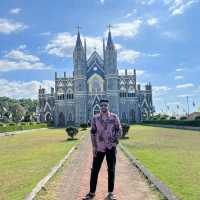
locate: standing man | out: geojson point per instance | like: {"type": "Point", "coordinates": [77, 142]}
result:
{"type": "Point", "coordinates": [105, 132]}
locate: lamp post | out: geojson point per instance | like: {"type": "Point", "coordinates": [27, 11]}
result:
{"type": "Point", "coordinates": [188, 106]}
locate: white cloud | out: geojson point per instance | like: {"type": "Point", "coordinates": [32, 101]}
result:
{"type": "Point", "coordinates": [178, 7]}
{"type": "Point", "coordinates": [9, 26]}
{"type": "Point", "coordinates": [153, 54]}
{"type": "Point", "coordinates": [48, 33]}
{"type": "Point", "coordinates": [20, 89]}
{"type": "Point", "coordinates": [187, 85]}
{"type": "Point", "coordinates": [7, 65]}
{"type": "Point", "coordinates": [18, 60]}
{"type": "Point", "coordinates": [15, 11]}
{"type": "Point", "coordinates": [179, 69]}
{"type": "Point", "coordinates": [169, 34]}
{"type": "Point", "coordinates": [130, 14]}
{"type": "Point", "coordinates": [21, 47]}
{"type": "Point", "coordinates": [102, 1]}
{"type": "Point", "coordinates": [20, 55]}
{"type": "Point", "coordinates": [128, 55]}
{"type": "Point", "coordinates": [139, 72]}
{"type": "Point", "coordinates": [127, 30]}
{"type": "Point", "coordinates": [147, 2]}
{"type": "Point", "coordinates": [160, 90]}
{"type": "Point", "coordinates": [178, 77]}
{"type": "Point", "coordinates": [152, 21]}
{"type": "Point", "coordinates": [63, 44]}
{"type": "Point", "coordinates": [185, 95]}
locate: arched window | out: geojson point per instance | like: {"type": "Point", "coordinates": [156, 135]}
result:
{"type": "Point", "coordinates": [48, 117]}
{"type": "Point", "coordinates": [96, 86]}
{"type": "Point", "coordinates": [61, 96]}
{"type": "Point", "coordinates": [123, 91]}
{"type": "Point", "coordinates": [96, 109]}
{"type": "Point", "coordinates": [70, 94]}
{"type": "Point", "coordinates": [131, 91]}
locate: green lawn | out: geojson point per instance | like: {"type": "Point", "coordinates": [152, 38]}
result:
{"type": "Point", "coordinates": [26, 158]}
{"type": "Point", "coordinates": [171, 155]}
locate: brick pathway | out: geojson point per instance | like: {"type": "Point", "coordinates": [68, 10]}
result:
{"type": "Point", "coordinates": [73, 182]}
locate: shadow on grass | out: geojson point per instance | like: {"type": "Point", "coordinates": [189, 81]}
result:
{"type": "Point", "coordinates": [124, 138]}
{"type": "Point", "coordinates": [70, 140]}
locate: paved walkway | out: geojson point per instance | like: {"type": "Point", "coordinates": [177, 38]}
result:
{"type": "Point", "coordinates": [73, 181]}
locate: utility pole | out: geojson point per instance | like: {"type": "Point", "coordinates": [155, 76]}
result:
{"type": "Point", "coordinates": [188, 106]}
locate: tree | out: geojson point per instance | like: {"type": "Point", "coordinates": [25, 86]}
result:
{"type": "Point", "coordinates": [18, 112]}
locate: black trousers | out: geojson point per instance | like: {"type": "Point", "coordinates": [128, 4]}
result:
{"type": "Point", "coordinates": [96, 166]}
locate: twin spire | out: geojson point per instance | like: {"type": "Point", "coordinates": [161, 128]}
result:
{"type": "Point", "coordinates": [110, 44]}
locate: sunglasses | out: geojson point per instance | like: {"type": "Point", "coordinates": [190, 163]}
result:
{"type": "Point", "coordinates": [105, 105]}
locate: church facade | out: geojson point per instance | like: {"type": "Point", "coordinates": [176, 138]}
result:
{"type": "Point", "coordinates": [74, 100]}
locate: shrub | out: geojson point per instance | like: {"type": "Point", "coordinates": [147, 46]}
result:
{"type": "Point", "coordinates": [197, 118]}
{"type": "Point", "coordinates": [183, 118]}
{"type": "Point", "coordinates": [50, 123]}
{"type": "Point", "coordinates": [12, 124]}
{"type": "Point", "coordinates": [171, 118]}
{"type": "Point", "coordinates": [195, 123]}
{"type": "Point", "coordinates": [23, 123]}
{"type": "Point", "coordinates": [1, 124]}
{"type": "Point", "coordinates": [83, 125]}
{"type": "Point", "coordinates": [71, 131]}
{"type": "Point", "coordinates": [125, 129]}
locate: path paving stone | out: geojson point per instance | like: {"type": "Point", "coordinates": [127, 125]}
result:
{"type": "Point", "coordinates": [73, 182]}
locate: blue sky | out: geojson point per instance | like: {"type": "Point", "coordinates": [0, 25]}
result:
{"type": "Point", "coordinates": [160, 38]}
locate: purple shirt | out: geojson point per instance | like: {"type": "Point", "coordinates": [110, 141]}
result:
{"type": "Point", "coordinates": [105, 132]}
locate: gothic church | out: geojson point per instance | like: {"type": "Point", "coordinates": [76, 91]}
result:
{"type": "Point", "coordinates": [74, 100]}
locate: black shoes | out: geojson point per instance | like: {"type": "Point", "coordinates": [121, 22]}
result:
{"type": "Point", "coordinates": [111, 197]}
{"type": "Point", "coordinates": [88, 196]}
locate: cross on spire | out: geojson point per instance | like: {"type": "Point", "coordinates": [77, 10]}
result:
{"type": "Point", "coordinates": [78, 28]}
{"type": "Point", "coordinates": [109, 27]}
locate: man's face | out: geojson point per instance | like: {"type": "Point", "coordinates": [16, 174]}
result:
{"type": "Point", "coordinates": [104, 107]}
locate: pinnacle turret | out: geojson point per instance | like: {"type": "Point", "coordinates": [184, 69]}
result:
{"type": "Point", "coordinates": [78, 41]}
{"type": "Point", "coordinates": [110, 44]}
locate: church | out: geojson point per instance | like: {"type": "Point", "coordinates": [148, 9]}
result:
{"type": "Point", "coordinates": [74, 100]}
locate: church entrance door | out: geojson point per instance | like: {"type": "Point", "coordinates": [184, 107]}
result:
{"type": "Point", "coordinates": [61, 120]}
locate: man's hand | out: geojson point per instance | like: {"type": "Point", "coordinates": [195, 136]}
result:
{"type": "Point", "coordinates": [94, 151]}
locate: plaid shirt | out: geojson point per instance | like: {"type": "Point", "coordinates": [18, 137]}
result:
{"type": "Point", "coordinates": [105, 132]}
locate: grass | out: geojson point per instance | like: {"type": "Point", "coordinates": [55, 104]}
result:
{"type": "Point", "coordinates": [171, 155]}
{"type": "Point", "coordinates": [26, 158]}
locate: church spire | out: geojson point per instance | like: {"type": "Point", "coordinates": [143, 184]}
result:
{"type": "Point", "coordinates": [78, 40]}
{"type": "Point", "coordinates": [110, 44]}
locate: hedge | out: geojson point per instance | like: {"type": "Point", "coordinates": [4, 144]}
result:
{"type": "Point", "coordinates": [195, 123]}
{"type": "Point", "coordinates": [18, 127]}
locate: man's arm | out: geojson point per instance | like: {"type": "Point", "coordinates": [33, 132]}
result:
{"type": "Point", "coordinates": [93, 133]}
{"type": "Point", "coordinates": [118, 128]}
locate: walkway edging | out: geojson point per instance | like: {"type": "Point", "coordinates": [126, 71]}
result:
{"type": "Point", "coordinates": [41, 184]}
{"type": "Point", "coordinates": [155, 181]}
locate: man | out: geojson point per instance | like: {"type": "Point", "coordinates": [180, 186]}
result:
{"type": "Point", "coordinates": [105, 132]}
